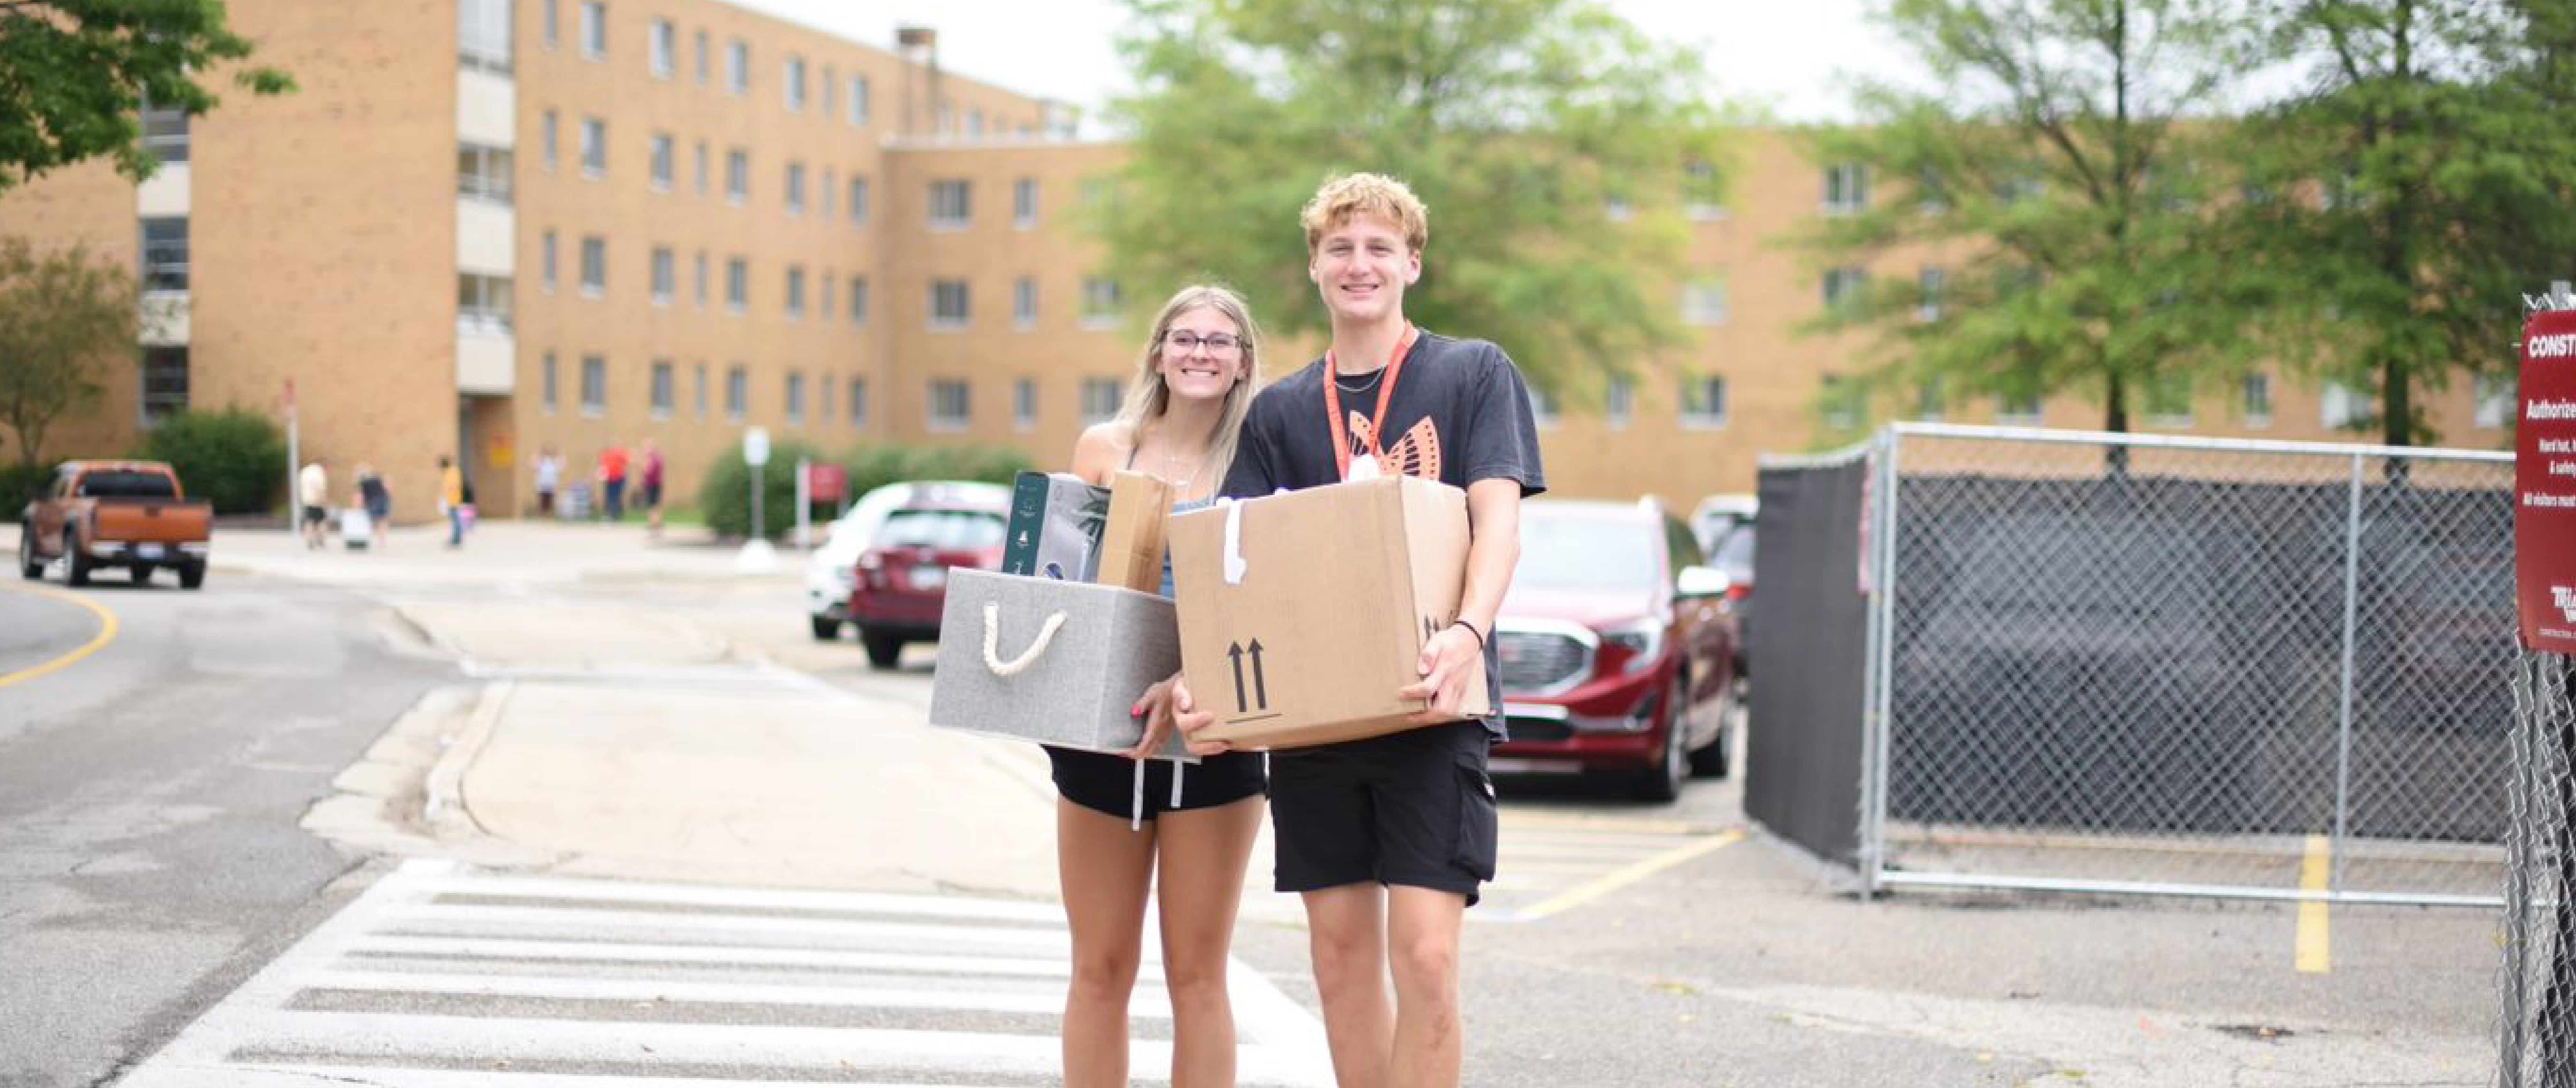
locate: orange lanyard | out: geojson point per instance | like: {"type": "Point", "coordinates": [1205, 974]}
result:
{"type": "Point", "coordinates": [1377, 424]}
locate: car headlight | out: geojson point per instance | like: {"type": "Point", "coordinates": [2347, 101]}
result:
{"type": "Point", "coordinates": [1642, 641]}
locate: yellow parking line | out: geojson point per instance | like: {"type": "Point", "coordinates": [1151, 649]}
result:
{"type": "Point", "coordinates": [2315, 955]}
{"type": "Point", "coordinates": [1585, 893]}
{"type": "Point", "coordinates": [106, 633]}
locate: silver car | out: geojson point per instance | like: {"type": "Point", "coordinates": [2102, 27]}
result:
{"type": "Point", "coordinates": [832, 572]}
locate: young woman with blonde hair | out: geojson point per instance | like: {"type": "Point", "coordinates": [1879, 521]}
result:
{"type": "Point", "coordinates": [1128, 826]}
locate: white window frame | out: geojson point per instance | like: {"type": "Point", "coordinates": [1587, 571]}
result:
{"type": "Point", "coordinates": [1846, 188]}
{"type": "Point", "coordinates": [737, 393]}
{"type": "Point", "coordinates": [2155, 396]}
{"type": "Point", "coordinates": [2340, 406]}
{"type": "Point", "coordinates": [1024, 204]}
{"type": "Point", "coordinates": [946, 318]}
{"type": "Point", "coordinates": [796, 292]}
{"type": "Point", "coordinates": [594, 147]}
{"type": "Point", "coordinates": [1618, 403]}
{"type": "Point", "coordinates": [858, 394]}
{"type": "Point", "coordinates": [858, 200]}
{"type": "Point", "coordinates": [1101, 399]}
{"type": "Point", "coordinates": [737, 285]}
{"type": "Point", "coordinates": [1100, 302]}
{"type": "Point", "coordinates": [952, 204]}
{"type": "Point", "coordinates": [1704, 301]}
{"type": "Point", "coordinates": [1024, 303]}
{"type": "Point", "coordinates": [938, 416]}
{"type": "Point", "coordinates": [665, 165]}
{"type": "Point", "coordinates": [2254, 399]}
{"type": "Point", "coordinates": [663, 386]}
{"type": "Point", "coordinates": [664, 59]}
{"type": "Point", "coordinates": [858, 288]}
{"type": "Point", "coordinates": [857, 111]}
{"type": "Point", "coordinates": [1699, 191]}
{"type": "Point", "coordinates": [737, 176]}
{"type": "Point", "coordinates": [594, 30]}
{"type": "Point", "coordinates": [795, 398]}
{"type": "Point", "coordinates": [594, 386]}
{"type": "Point", "coordinates": [792, 73]}
{"type": "Point", "coordinates": [594, 266]}
{"type": "Point", "coordinates": [737, 78]}
{"type": "Point", "coordinates": [796, 189]}
{"type": "Point", "coordinates": [1024, 404]}
{"type": "Point", "coordinates": [665, 275]}
{"type": "Point", "coordinates": [2494, 397]}
{"type": "Point", "coordinates": [1703, 402]}
{"type": "Point", "coordinates": [1843, 286]}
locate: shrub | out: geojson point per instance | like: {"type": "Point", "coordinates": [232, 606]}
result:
{"type": "Point", "coordinates": [235, 458]}
{"type": "Point", "coordinates": [20, 484]}
{"type": "Point", "coordinates": [875, 466]}
{"type": "Point", "coordinates": [725, 493]}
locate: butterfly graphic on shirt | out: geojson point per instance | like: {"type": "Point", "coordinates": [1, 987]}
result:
{"type": "Point", "coordinates": [1417, 454]}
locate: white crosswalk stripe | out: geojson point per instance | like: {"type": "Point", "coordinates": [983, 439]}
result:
{"type": "Point", "coordinates": [442, 976]}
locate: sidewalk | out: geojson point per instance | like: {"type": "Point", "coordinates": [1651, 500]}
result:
{"type": "Point", "coordinates": [599, 736]}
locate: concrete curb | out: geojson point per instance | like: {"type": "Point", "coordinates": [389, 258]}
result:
{"type": "Point", "coordinates": [443, 808]}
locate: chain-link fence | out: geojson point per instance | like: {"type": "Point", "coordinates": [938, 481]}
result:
{"type": "Point", "coordinates": [2539, 1007]}
{"type": "Point", "coordinates": [2141, 664]}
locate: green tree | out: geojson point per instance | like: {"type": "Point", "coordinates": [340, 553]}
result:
{"type": "Point", "coordinates": [2421, 181]}
{"type": "Point", "coordinates": [72, 72]}
{"type": "Point", "coordinates": [2052, 186]}
{"type": "Point", "coordinates": [65, 316]}
{"type": "Point", "coordinates": [1523, 124]}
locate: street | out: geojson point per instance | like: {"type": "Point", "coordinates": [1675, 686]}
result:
{"type": "Point", "coordinates": [607, 815]}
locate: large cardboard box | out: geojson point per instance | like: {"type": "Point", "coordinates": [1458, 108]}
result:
{"type": "Point", "coordinates": [1051, 661]}
{"type": "Point", "coordinates": [1302, 613]}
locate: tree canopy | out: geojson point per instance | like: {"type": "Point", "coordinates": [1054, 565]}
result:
{"type": "Point", "coordinates": [2419, 181]}
{"type": "Point", "coordinates": [73, 71]}
{"type": "Point", "coordinates": [1554, 144]}
{"type": "Point", "coordinates": [2051, 187]}
{"type": "Point", "coordinates": [65, 315]}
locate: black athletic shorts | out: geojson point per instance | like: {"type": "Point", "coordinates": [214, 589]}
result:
{"type": "Point", "coordinates": [315, 515]}
{"type": "Point", "coordinates": [1413, 807]}
{"type": "Point", "coordinates": [1106, 783]}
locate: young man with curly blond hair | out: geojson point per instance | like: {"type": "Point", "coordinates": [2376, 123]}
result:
{"type": "Point", "coordinates": [1388, 838]}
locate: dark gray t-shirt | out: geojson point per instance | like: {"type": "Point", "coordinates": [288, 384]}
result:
{"type": "Point", "coordinates": [1459, 414]}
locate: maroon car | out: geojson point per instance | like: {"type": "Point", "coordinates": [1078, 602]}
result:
{"type": "Point", "coordinates": [902, 577]}
{"type": "Point", "coordinates": [1617, 647]}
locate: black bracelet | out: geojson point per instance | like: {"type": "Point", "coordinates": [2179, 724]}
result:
{"type": "Point", "coordinates": [1471, 629]}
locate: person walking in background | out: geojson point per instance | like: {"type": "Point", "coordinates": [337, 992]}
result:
{"type": "Point", "coordinates": [612, 480]}
{"type": "Point", "coordinates": [377, 501]}
{"type": "Point", "coordinates": [549, 477]}
{"type": "Point", "coordinates": [649, 478]}
{"type": "Point", "coordinates": [451, 499]}
{"type": "Point", "coordinates": [1390, 838]}
{"type": "Point", "coordinates": [313, 493]}
{"type": "Point", "coordinates": [1127, 826]}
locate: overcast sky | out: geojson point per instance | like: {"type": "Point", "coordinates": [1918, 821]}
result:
{"type": "Point", "coordinates": [1786, 55]}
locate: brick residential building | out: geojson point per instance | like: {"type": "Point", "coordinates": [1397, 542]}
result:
{"type": "Point", "coordinates": [497, 227]}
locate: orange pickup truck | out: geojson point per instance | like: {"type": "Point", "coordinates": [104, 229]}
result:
{"type": "Point", "coordinates": [128, 514]}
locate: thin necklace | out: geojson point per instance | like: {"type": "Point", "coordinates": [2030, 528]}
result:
{"type": "Point", "coordinates": [1361, 386]}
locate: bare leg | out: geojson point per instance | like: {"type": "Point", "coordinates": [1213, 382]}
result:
{"type": "Point", "coordinates": [1104, 870]}
{"type": "Point", "coordinates": [1423, 927]}
{"type": "Point", "coordinates": [1203, 852]}
{"type": "Point", "coordinates": [1347, 935]}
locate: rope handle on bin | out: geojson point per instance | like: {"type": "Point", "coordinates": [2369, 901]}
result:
{"type": "Point", "coordinates": [993, 633]}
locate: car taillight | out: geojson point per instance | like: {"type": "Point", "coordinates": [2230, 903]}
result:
{"type": "Point", "coordinates": [1739, 591]}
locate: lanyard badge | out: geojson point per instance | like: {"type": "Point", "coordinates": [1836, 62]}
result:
{"type": "Point", "coordinates": [1363, 463]}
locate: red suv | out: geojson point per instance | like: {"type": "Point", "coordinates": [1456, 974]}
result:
{"type": "Point", "coordinates": [902, 577]}
{"type": "Point", "coordinates": [1617, 647]}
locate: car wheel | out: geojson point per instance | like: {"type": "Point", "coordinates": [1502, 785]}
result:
{"type": "Point", "coordinates": [1716, 760]}
{"type": "Point", "coordinates": [1663, 781]}
{"type": "Point", "coordinates": [826, 629]}
{"type": "Point", "coordinates": [885, 650]}
{"type": "Point", "coordinates": [192, 577]}
{"type": "Point", "coordinates": [76, 561]}
{"type": "Point", "coordinates": [29, 567]}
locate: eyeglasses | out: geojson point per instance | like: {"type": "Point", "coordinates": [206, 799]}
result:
{"type": "Point", "coordinates": [1184, 342]}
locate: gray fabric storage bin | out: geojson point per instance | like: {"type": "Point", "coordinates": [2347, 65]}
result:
{"type": "Point", "coordinates": [1112, 644]}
